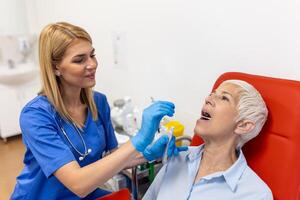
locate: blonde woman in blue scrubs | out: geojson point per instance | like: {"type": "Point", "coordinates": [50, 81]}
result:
{"type": "Point", "coordinates": [67, 127]}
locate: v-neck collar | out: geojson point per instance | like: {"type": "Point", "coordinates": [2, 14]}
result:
{"type": "Point", "coordinates": [87, 119]}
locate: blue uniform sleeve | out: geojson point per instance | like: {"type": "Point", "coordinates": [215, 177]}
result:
{"type": "Point", "coordinates": [41, 137]}
{"type": "Point", "coordinates": [104, 113]}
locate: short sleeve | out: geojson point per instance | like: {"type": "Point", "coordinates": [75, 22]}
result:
{"type": "Point", "coordinates": [104, 113]}
{"type": "Point", "coordinates": [40, 134]}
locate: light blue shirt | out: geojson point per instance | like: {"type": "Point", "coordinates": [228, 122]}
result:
{"type": "Point", "coordinates": [175, 180]}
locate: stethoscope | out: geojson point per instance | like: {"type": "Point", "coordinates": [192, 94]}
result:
{"type": "Point", "coordinates": [87, 151]}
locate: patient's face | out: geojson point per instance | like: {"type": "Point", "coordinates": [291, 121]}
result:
{"type": "Point", "coordinates": [219, 112]}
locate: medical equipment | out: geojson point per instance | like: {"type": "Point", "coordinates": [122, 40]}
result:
{"type": "Point", "coordinates": [164, 130]}
{"type": "Point", "coordinates": [125, 116]}
{"type": "Point", "coordinates": [87, 151]}
{"type": "Point", "coordinates": [117, 182]}
{"type": "Point", "coordinates": [177, 131]}
{"type": "Point", "coordinates": [169, 133]}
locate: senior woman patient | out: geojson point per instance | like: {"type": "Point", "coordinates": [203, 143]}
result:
{"type": "Point", "coordinates": [232, 115]}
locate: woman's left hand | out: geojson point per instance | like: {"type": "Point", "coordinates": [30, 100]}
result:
{"type": "Point", "coordinates": [156, 150]}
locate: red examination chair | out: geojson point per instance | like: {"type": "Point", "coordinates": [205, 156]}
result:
{"type": "Point", "coordinates": [122, 194]}
{"type": "Point", "coordinates": [275, 153]}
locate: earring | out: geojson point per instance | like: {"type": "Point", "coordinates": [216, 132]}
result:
{"type": "Point", "coordinates": [57, 73]}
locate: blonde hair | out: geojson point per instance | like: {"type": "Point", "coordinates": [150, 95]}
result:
{"type": "Point", "coordinates": [53, 43]}
{"type": "Point", "coordinates": [251, 106]}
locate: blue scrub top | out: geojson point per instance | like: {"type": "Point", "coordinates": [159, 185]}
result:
{"type": "Point", "coordinates": [47, 149]}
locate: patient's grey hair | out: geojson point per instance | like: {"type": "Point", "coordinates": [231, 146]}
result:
{"type": "Point", "coordinates": [251, 106]}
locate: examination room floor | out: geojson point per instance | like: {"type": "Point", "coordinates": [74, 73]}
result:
{"type": "Point", "coordinates": [11, 164]}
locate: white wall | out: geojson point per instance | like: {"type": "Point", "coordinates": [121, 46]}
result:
{"type": "Point", "coordinates": [175, 49]}
{"type": "Point", "coordinates": [13, 17]}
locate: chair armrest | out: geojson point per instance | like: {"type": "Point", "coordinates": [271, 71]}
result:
{"type": "Point", "coordinates": [122, 194]}
{"type": "Point", "coordinates": [183, 138]}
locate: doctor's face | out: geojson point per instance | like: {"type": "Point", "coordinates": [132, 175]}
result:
{"type": "Point", "coordinates": [78, 66]}
{"type": "Point", "coordinates": [219, 112]}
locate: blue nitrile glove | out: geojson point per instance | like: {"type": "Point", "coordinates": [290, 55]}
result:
{"type": "Point", "coordinates": [150, 123]}
{"type": "Point", "coordinates": [173, 150]}
{"type": "Point", "coordinates": [156, 150]}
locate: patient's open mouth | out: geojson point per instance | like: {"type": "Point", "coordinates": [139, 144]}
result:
{"type": "Point", "coordinates": [205, 115]}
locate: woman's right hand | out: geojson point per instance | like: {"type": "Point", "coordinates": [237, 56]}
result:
{"type": "Point", "coordinates": [152, 116]}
